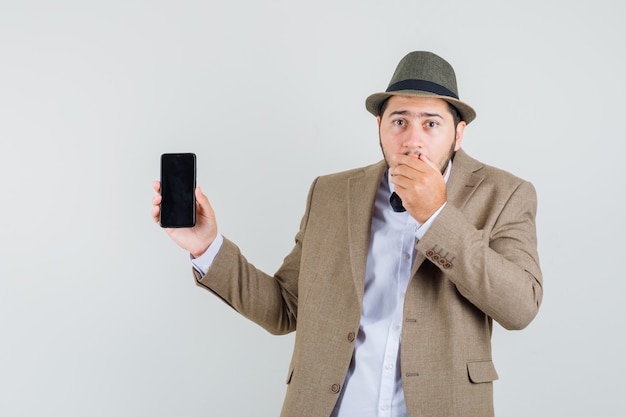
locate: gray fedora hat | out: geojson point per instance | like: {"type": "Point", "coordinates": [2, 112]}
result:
{"type": "Point", "coordinates": [422, 74]}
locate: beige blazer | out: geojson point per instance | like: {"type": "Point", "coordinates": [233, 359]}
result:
{"type": "Point", "coordinates": [478, 262]}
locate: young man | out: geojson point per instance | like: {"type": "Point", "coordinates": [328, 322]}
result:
{"type": "Point", "coordinates": [398, 268]}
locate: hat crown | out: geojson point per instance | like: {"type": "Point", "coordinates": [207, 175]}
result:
{"type": "Point", "coordinates": [425, 66]}
{"type": "Point", "coordinates": [422, 74]}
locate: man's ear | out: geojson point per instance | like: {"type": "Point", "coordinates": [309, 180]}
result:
{"type": "Point", "coordinates": [460, 128]}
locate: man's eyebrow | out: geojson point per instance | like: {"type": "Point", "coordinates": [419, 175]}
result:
{"type": "Point", "coordinates": [431, 115]}
{"type": "Point", "coordinates": [417, 115]}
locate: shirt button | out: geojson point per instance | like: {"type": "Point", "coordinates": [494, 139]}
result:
{"type": "Point", "coordinates": [406, 256]}
{"type": "Point", "coordinates": [389, 366]}
{"type": "Point", "coordinates": [396, 327]}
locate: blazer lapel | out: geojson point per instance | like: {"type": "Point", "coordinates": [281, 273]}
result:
{"type": "Point", "coordinates": [362, 190]}
{"type": "Point", "coordinates": [463, 180]}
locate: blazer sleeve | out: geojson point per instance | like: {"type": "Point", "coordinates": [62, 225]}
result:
{"type": "Point", "coordinates": [491, 254]}
{"type": "Point", "coordinates": [270, 301]}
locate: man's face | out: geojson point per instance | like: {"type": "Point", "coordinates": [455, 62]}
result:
{"type": "Point", "coordinates": [419, 125]}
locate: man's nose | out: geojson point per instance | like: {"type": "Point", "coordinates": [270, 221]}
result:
{"type": "Point", "coordinates": [413, 139]}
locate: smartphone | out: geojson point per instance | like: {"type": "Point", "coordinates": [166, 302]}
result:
{"type": "Point", "coordinates": [178, 184]}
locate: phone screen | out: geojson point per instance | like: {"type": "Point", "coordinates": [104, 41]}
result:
{"type": "Point", "coordinates": [178, 183]}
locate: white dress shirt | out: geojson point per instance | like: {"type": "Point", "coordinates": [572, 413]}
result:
{"type": "Point", "coordinates": [373, 384]}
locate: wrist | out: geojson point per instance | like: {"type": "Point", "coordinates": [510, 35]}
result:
{"type": "Point", "coordinates": [199, 252]}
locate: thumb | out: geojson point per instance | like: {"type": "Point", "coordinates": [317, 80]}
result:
{"type": "Point", "coordinates": [203, 201]}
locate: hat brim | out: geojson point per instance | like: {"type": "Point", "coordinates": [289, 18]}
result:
{"type": "Point", "coordinates": [374, 101]}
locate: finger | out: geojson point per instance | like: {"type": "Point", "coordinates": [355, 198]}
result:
{"type": "Point", "coordinates": [156, 185]}
{"type": "Point", "coordinates": [401, 159]}
{"type": "Point", "coordinates": [401, 181]}
{"type": "Point", "coordinates": [203, 201]}
{"type": "Point", "coordinates": [412, 161]}
{"type": "Point", "coordinates": [407, 166]}
{"type": "Point", "coordinates": [155, 213]}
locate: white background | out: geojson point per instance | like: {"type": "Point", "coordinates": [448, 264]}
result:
{"type": "Point", "coordinates": [99, 314]}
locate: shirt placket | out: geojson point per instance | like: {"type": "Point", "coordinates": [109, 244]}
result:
{"type": "Point", "coordinates": [391, 363]}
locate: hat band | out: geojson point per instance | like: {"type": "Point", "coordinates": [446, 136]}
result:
{"type": "Point", "coordinates": [422, 85]}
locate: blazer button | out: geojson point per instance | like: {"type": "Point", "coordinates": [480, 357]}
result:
{"type": "Point", "coordinates": [351, 337]}
{"type": "Point", "coordinates": [335, 388]}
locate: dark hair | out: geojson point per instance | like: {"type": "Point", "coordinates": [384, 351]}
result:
{"type": "Point", "coordinates": [456, 115]}
{"type": "Point", "coordinates": [383, 106]}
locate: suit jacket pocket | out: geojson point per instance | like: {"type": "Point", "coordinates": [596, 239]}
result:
{"type": "Point", "coordinates": [481, 371]}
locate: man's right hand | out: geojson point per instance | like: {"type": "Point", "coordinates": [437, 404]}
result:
{"type": "Point", "coordinates": [195, 239]}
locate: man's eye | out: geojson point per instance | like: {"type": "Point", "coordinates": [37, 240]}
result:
{"type": "Point", "coordinates": [431, 124]}
{"type": "Point", "coordinates": [399, 122]}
